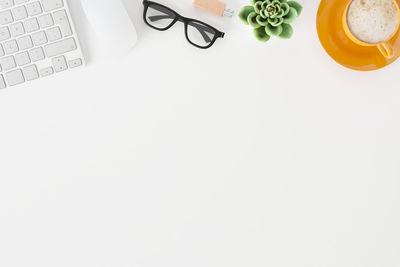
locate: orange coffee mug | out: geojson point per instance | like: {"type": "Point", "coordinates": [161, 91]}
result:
{"type": "Point", "coordinates": [384, 47]}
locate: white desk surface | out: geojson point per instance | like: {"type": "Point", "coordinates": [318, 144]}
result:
{"type": "Point", "coordinates": [246, 154]}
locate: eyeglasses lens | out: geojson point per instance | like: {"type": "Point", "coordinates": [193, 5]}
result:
{"type": "Point", "coordinates": [159, 17]}
{"type": "Point", "coordinates": [200, 34]}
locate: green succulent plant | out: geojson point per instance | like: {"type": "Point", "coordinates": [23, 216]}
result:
{"type": "Point", "coordinates": [271, 18]}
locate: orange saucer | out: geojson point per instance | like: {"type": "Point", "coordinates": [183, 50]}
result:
{"type": "Point", "coordinates": [341, 48]}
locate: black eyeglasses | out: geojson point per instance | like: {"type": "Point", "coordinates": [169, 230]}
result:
{"type": "Point", "coordinates": [162, 18]}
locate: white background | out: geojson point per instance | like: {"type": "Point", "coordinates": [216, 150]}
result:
{"type": "Point", "coordinates": [246, 154]}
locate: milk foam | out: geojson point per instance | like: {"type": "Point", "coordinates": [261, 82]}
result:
{"type": "Point", "coordinates": [372, 21]}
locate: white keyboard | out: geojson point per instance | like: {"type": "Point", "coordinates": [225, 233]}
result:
{"type": "Point", "coordinates": [37, 39]}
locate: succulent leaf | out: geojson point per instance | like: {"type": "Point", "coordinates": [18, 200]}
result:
{"type": "Point", "coordinates": [258, 7]}
{"type": "Point", "coordinates": [271, 30]}
{"type": "Point", "coordinates": [287, 31]}
{"type": "Point", "coordinates": [286, 8]}
{"type": "Point", "coordinates": [264, 5]}
{"type": "Point", "coordinates": [261, 20]}
{"type": "Point", "coordinates": [244, 13]}
{"type": "Point", "coordinates": [261, 34]}
{"type": "Point", "coordinates": [252, 20]}
{"type": "Point", "coordinates": [281, 13]}
{"type": "Point", "coordinates": [275, 22]}
{"type": "Point", "coordinates": [291, 16]}
{"type": "Point", "coordinates": [296, 6]}
{"type": "Point", "coordinates": [262, 14]}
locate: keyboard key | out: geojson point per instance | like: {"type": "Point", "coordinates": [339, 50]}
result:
{"type": "Point", "coordinates": [1, 51]}
{"type": "Point", "coordinates": [24, 42]}
{"type": "Point", "coordinates": [60, 64]}
{"type": "Point", "coordinates": [31, 25]}
{"type": "Point", "coordinates": [49, 5]}
{"type": "Point", "coordinates": [10, 47]}
{"type": "Point", "coordinates": [39, 38]}
{"type": "Point", "coordinates": [75, 63]}
{"type": "Point", "coordinates": [46, 21]}
{"type": "Point", "coordinates": [17, 29]}
{"type": "Point", "coordinates": [61, 18]}
{"type": "Point", "coordinates": [46, 71]}
{"type": "Point", "coordinates": [15, 77]}
{"type": "Point", "coordinates": [36, 54]}
{"type": "Point", "coordinates": [2, 82]}
{"type": "Point", "coordinates": [30, 72]}
{"type": "Point", "coordinates": [4, 34]}
{"type": "Point", "coordinates": [19, 13]}
{"type": "Point", "coordinates": [7, 63]}
{"type": "Point", "coordinates": [6, 4]}
{"type": "Point", "coordinates": [17, 2]}
{"type": "Point", "coordinates": [60, 47]}
{"type": "Point", "coordinates": [22, 58]}
{"type": "Point", "coordinates": [54, 34]}
{"type": "Point", "coordinates": [34, 9]}
{"type": "Point", "coordinates": [6, 17]}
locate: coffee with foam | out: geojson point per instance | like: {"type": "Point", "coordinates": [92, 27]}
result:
{"type": "Point", "coordinates": [372, 21]}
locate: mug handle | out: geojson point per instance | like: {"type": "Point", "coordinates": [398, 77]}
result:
{"type": "Point", "coordinates": [386, 50]}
